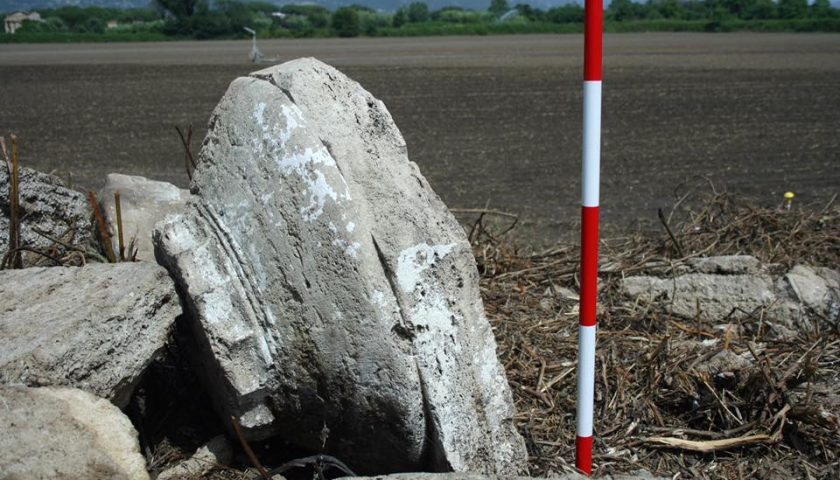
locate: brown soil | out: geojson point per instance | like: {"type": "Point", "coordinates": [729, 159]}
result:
{"type": "Point", "coordinates": [491, 121]}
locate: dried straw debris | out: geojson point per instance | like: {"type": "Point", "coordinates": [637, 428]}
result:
{"type": "Point", "coordinates": [675, 397]}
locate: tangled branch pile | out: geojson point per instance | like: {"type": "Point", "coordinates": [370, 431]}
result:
{"type": "Point", "coordinates": [672, 396]}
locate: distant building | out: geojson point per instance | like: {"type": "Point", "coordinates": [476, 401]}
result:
{"type": "Point", "coordinates": [15, 20]}
{"type": "Point", "coordinates": [112, 24]}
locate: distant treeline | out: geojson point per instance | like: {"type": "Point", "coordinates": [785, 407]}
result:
{"type": "Point", "coordinates": [227, 19]}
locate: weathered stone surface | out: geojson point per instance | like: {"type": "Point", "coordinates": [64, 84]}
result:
{"type": "Point", "coordinates": [143, 203]}
{"type": "Point", "coordinates": [204, 460]}
{"type": "Point", "coordinates": [46, 205]}
{"type": "Point", "coordinates": [66, 433]}
{"type": "Point", "coordinates": [95, 327]}
{"type": "Point", "coordinates": [337, 299]}
{"type": "Point", "coordinates": [814, 288]}
{"type": "Point", "coordinates": [728, 264]}
{"type": "Point", "coordinates": [741, 287]}
{"type": "Point", "coordinates": [725, 361]}
{"type": "Point", "coordinates": [709, 297]}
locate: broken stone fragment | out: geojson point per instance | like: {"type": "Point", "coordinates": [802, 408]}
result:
{"type": "Point", "coordinates": [46, 206]}
{"type": "Point", "coordinates": [206, 459]}
{"type": "Point", "coordinates": [708, 297]}
{"type": "Point", "coordinates": [815, 289]}
{"type": "Point", "coordinates": [334, 296]}
{"type": "Point", "coordinates": [96, 327]}
{"type": "Point", "coordinates": [143, 203]}
{"type": "Point", "coordinates": [742, 288]}
{"type": "Point", "coordinates": [66, 433]}
{"type": "Point", "coordinates": [725, 361]}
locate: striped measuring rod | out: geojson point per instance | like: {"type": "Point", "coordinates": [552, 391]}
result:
{"type": "Point", "coordinates": [593, 48]}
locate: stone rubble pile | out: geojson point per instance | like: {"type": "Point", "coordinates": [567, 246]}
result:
{"type": "Point", "coordinates": [321, 291]}
{"type": "Point", "coordinates": [730, 288]}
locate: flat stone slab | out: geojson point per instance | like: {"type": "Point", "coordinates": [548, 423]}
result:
{"type": "Point", "coordinates": [66, 433]}
{"type": "Point", "coordinates": [335, 296]}
{"type": "Point", "coordinates": [96, 327]}
{"type": "Point", "coordinates": [708, 297]}
{"type": "Point", "coordinates": [728, 288]}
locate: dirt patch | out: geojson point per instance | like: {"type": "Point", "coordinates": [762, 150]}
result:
{"type": "Point", "coordinates": [491, 121]}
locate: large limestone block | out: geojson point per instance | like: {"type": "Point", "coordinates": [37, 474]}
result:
{"type": "Point", "coordinates": [96, 327]}
{"type": "Point", "coordinates": [66, 433]}
{"type": "Point", "coordinates": [48, 206]}
{"type": "Point", "coordinates": [336, 298]}
{"type": "Point", "coordinates": [143, 203]}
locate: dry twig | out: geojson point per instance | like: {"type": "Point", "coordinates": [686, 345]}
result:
{"type": "Point", "coordinates": [248, 451]}
{"type": "Point", "coordinates": [104, 236]}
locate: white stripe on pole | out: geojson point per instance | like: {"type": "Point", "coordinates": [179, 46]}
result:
{"type": "Point", "coordinates": [591, 143]}
{"type": "Point", "coordinates": [586, 380]}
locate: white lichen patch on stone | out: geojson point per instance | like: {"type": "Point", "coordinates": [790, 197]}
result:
{"type": "Point", "coordinates": [439, 322]}
{"type": "Point", "coordinates": [293, 121]}
{"type": "Point", "coordinates": [259, 115]}
{"type": "Point", "coordinates": [351, 249]}
{"type": "Point", "coordinates": [377, 298]}
{"type": "Point", "coordinates": [307, 165]}
{"type": "Point", "coordinates": [350, 227]}
{"type": "Point", "coordinates": [413, 261]}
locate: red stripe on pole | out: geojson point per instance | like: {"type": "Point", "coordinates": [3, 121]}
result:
{"type": "Point", "coordinates": [583, 454]}
{"type": "Point", "coordinates": [589, 265]}
{"type": "Point", "coordinates": [593, 40]}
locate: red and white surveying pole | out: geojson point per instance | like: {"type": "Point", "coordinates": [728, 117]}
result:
{"type": "Point", "coordinates": [593, 35]}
